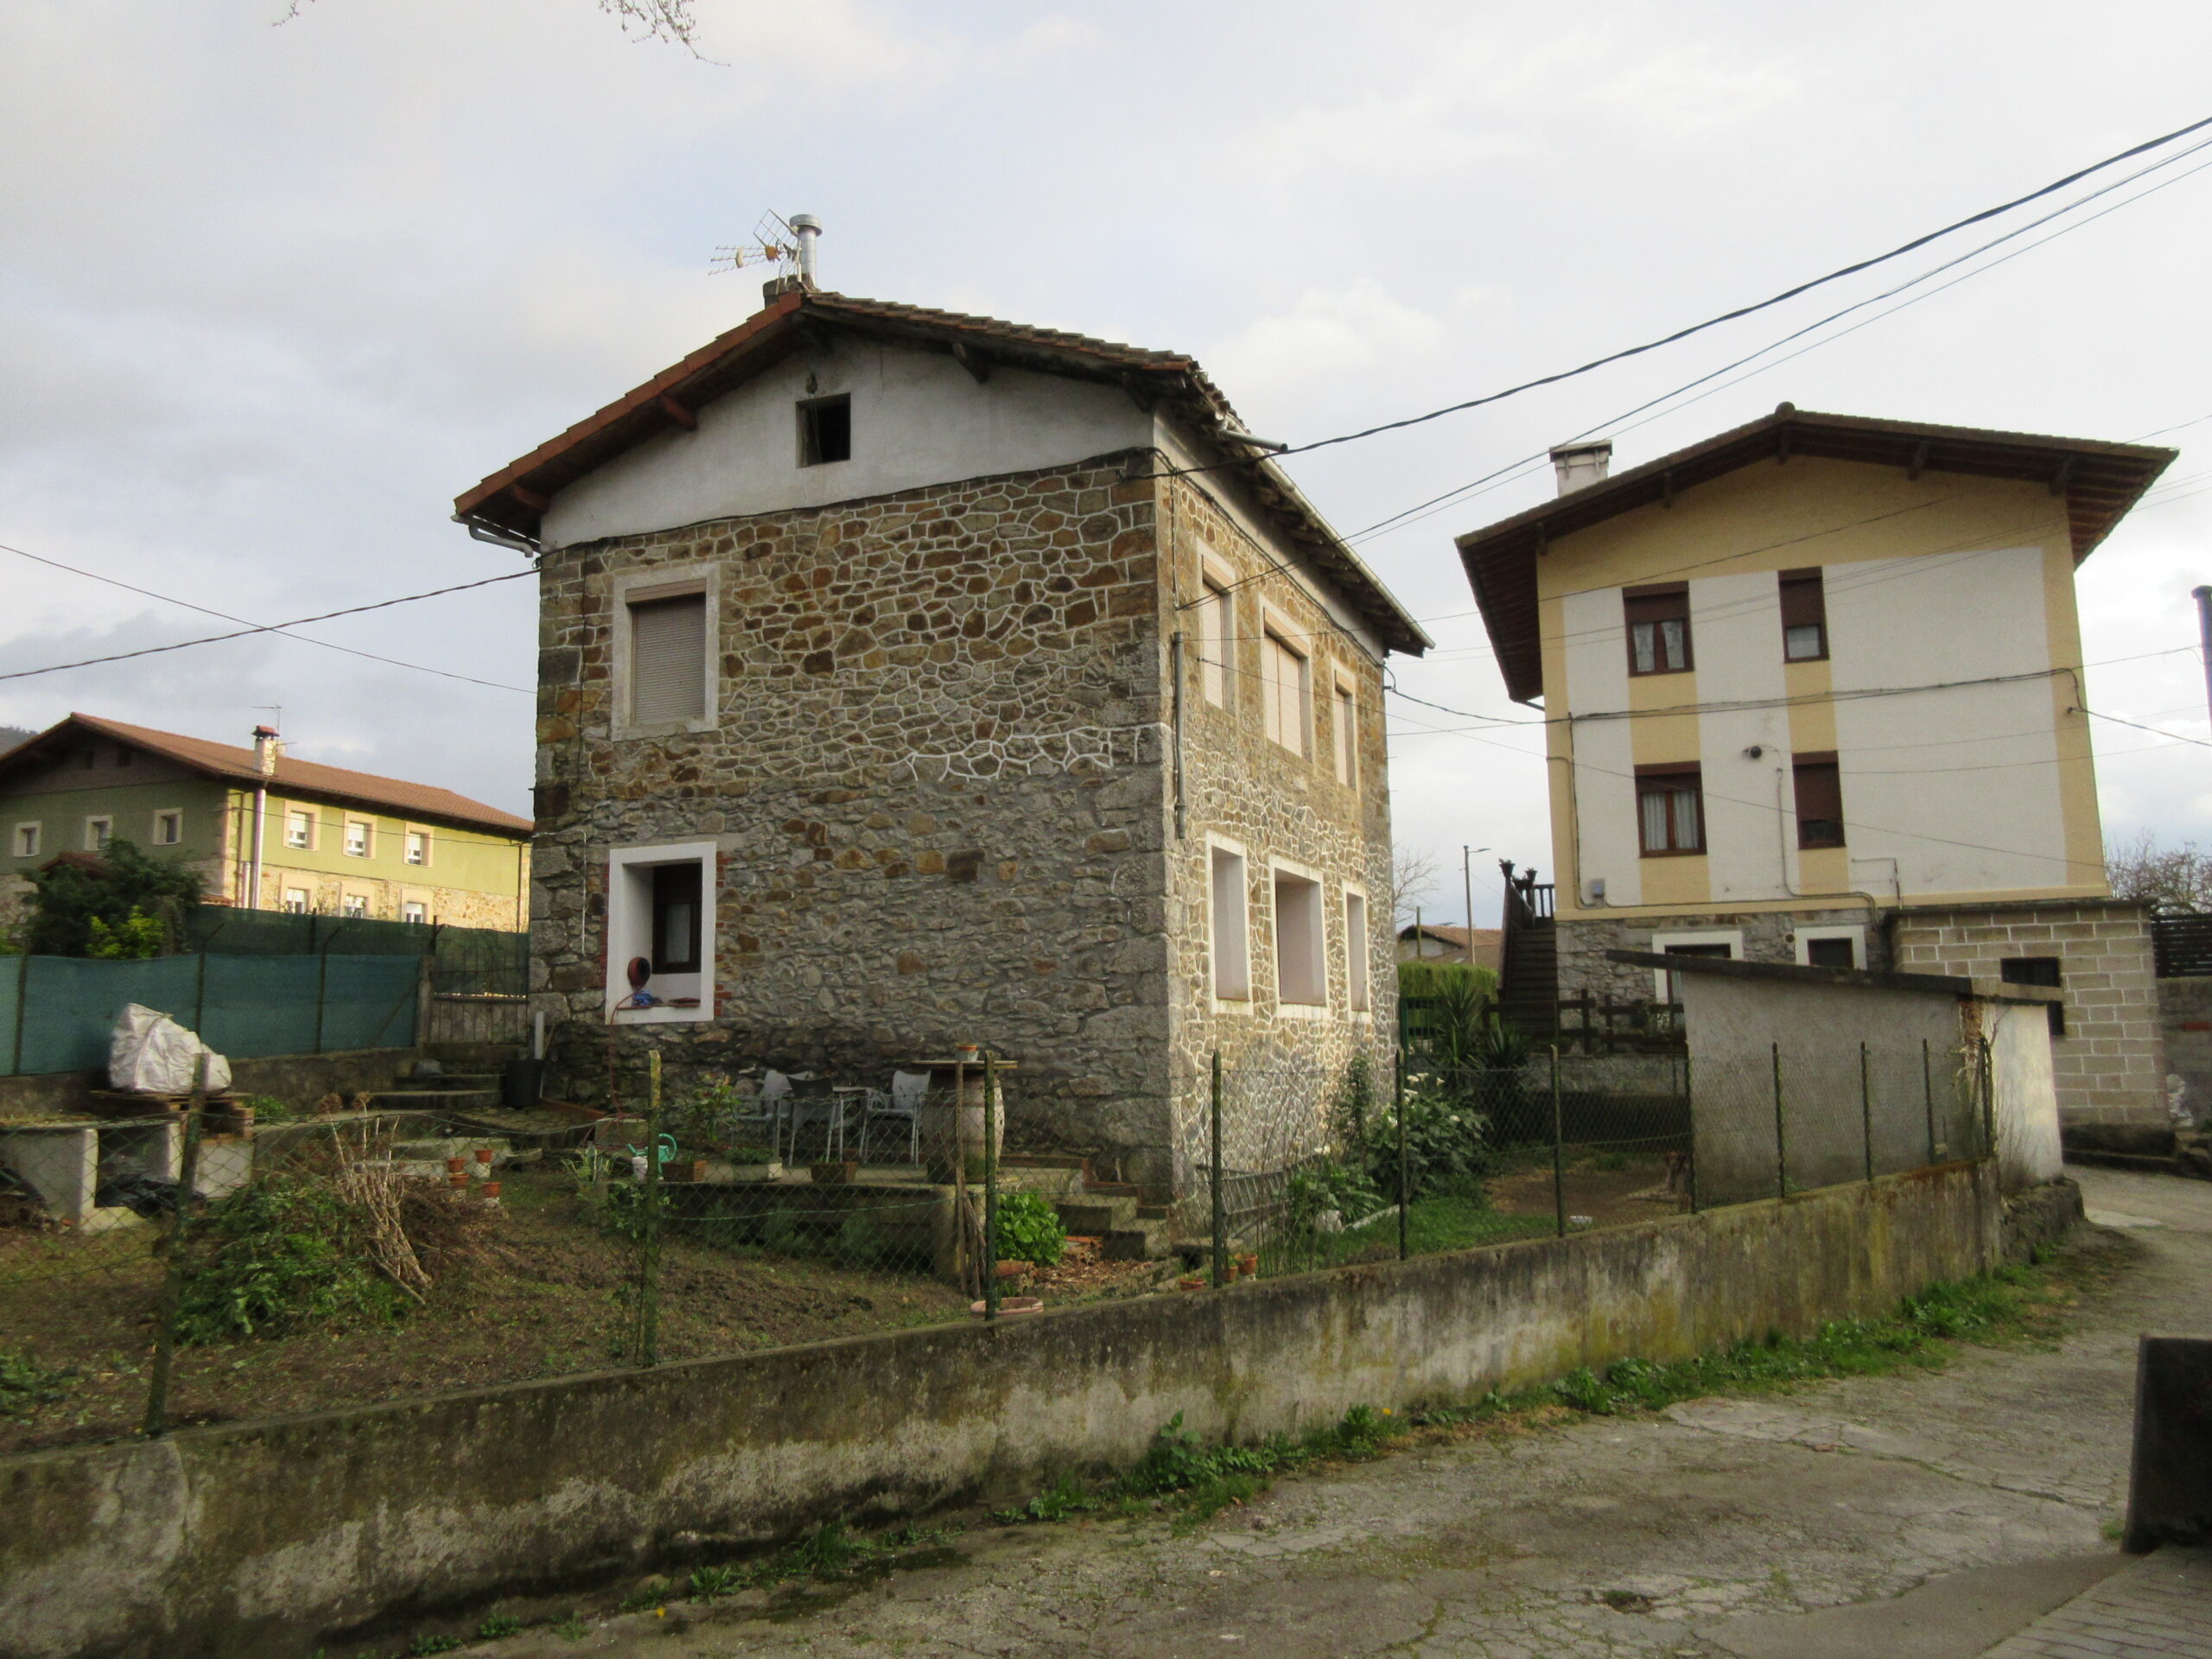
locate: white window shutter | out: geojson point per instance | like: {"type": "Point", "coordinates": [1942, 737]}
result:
{"type": "Point", "coordinates": [668, 666]}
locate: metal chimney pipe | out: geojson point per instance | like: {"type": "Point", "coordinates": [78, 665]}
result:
{"type": "Point", "coordinates": [806, 227]}
{"type": "Point", "coordinates": [1580, 464]}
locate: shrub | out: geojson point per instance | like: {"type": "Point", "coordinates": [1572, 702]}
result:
{"type": "Point", "coordinates": [282, 1253]}
{"type": "Point", "coordinates": [1345, 1188]}
{"type": "Point", "coordinates": [121, 885]}
{"type": "Point", "coordinates": [1029, 1230]}
{"type": "Point", "coordinates": [1446, 1150]}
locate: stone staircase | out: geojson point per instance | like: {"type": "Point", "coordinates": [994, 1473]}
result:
{"type": "Point", "coordinates": [1113, 1212]}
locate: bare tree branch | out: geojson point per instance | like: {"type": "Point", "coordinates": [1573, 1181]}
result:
{"type": "Point", "coordinates": [1413, 878]}
{"type": "Point", "coordinates": [645, 19]}
{"type": "Point", "coordinates": [2172, 880]}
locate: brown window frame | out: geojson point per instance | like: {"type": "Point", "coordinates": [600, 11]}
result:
{"type": "Point", "coordinates": [1667, 781]}
{"type": "Point", "coordinates": [1804, 605]}
{"type": "Point", "coordinates": [1661, 602]}
{"type": "Point", "coordinates": [1819, 760]}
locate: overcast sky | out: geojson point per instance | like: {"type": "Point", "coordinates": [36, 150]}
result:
{"type": "Point", "coordinates": [271, 297]}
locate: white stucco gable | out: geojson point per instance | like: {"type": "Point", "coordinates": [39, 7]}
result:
{"type": "Point", "coordinates": [918, 418]}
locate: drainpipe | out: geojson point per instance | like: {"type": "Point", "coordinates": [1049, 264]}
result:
{"type": "Point", "coordinates": [264, 765]}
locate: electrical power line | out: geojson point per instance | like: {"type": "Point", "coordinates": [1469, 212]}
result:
{"type": "Point", "coordinates": [271, 627]}
{"type": "Point", "coordinates": [327, 644]}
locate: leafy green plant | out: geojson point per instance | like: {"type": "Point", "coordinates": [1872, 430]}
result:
{"type": "Point", "coordinates": [1347, 1189]}
{"type": "Point", "coordinates": [135, 938]}
{"type": "Point", "coordinates": [67, 898]}
{"type": "Point", "coordinates": [280, 1254]}
{"type": "Point", "coordinates": [498, 1626]}
{"type": "Point", "coordinates": [436, 1644]}
{"type": "Point", "coordinates": [1446, 1150]}
{"type": "Point", "coordinates": [708, 1582]}
{"type": "Point", "coordinates": [267, 1109]}
{"type": "Point", "coordinates": [861, 1241]}
{"type": "Point", "coordinates": [25, 1385]}
{"type": "Point", "coordinates": [572, 1629]}
{"type": "Point", "coordinates": [1029, 1230]}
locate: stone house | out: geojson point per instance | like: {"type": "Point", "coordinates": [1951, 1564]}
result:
{"type": "Point", "coordinates": [1813, 691]}
{"type": "Point", "coordinates": [264, 828]}
{"type": "Point", "coordinates": [911, 679]}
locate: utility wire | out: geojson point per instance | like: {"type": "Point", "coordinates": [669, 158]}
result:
{"type": "Point", "coordinates": [170, 599]}
{"type": "Point", "coordinates": [271, 627]}
{"type": "Point", "coordinates": [2154, 730]}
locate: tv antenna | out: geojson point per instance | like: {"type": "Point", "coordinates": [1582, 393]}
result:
{"type": "Point", "coordinates": [774, 243]}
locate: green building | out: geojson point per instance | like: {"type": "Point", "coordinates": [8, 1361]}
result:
{"type": "Point", "coordinates": [266, 831]}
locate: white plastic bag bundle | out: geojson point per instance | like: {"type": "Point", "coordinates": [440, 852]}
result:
{"type": "Point", "coordinates": [151, 1054]}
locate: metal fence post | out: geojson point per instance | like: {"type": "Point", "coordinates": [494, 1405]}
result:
{"type": "Point", "coordinates": [187, 1178]}
{"type": "Point", "coordinates": [22, 1003]}
{"type": "Point", "coordinates": [200, 994]}
{"type": "Point", "coordinates": [321, 989]}
{"type": "Point", "coordinates": [649, 1237]}
{"type": "Point", "coordinates": [1220, 1202]}
{"type": "Point", "coordinates": [1927, 1096]}
{"type": "Point", "coordinates": [1865, 1111]}
{"type": "Point", "coordinates": [1558, 1150]}
{"type": "Point", "coordinates": [1405, 1179]}
{"type": "Point", "coordinates": [1986, 1074]}
{"type": "Point", "coordinates": [1781, 1138]}
{"type": "Point", "coordinates": [990, 1186]}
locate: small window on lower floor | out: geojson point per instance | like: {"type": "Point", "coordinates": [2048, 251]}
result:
{"type": "Point", "coordinates": [355, 906]}
{"type": "Point", "coordinates": [27, 839]}
{"type": "Point", "coordinates": [1830, 953]}
{"type": "Point", "coordinates": [1229, 943]}
{"type": "Point", "coordinates": [2037, 970]}
{"type": "Point", "coordinates": [296, 901]}
{"type": "Point", "coordinates": [169, 828]}
{"type": "Point", "coordinates": [414, 911]}
{"type": "Point", "coordinates": [1301, 961]}
{"type": "Point", "coordinates": [675, 919]}
{"type": "Point", "coordinates": [98, 833]}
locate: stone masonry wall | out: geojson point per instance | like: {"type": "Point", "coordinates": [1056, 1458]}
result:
{"type": "Point", "coordinates": [1283, 1072]}
{"type": "Point", "coordinates": [1583, 946]}
{"type": "Point", "coordinates": [2185, 1023]}
{"type": "Point", "coordinates": [936, 792]}
{"type": "Point", "coordinates": [2109, 1065]}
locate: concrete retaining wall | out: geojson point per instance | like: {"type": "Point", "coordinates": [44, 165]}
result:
{"type": "Point", "coordinates": [278, 1538]}
{"type": "Point", "coordinates": [299, 1077]}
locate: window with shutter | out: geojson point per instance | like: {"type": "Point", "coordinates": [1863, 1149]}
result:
{"type": "Point", "coordinates": [1670, 811]}
{"type": "Point", "coordinates": [1347, 738]}
{"type": "Point", "coordinates": [1820, 800]}
{"type": "Point", "coordinates": [1658, 628]}
{"type": "Point", "coordinates": [1214, 635]}
{"type": "Point", "coordinates": [668, 652]}
{"type": "Point", "coordinates": [1282, 674]}
{"type": "Point", "coordinates": [1804, 617]}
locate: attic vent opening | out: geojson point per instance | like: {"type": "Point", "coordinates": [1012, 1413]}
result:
{"type": "Point", "coordinates": [825, 430]}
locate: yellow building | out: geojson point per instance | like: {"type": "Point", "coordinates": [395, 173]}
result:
{"type": "Point", "coordinates": [1813, 692]}
{"type": "Point", "coordinates": [266, 831]}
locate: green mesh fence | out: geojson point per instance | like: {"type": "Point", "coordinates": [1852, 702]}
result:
{"type": "Point", "coordinates": [462, 959]}
{"type": "Point", "coordinates": [57, 1013]}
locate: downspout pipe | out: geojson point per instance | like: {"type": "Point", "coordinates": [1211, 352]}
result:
{"type": "Point", "coordinates": [264, 765]}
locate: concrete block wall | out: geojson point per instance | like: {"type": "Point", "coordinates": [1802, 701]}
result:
{"type": "Point", "coordinates": [2110, 1066]}
{"type": "Point", "coordinates": [2185, 1022]}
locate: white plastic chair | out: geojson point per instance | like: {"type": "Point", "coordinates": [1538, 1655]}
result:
{"type": "Point", "coordinates": [908, 1090]}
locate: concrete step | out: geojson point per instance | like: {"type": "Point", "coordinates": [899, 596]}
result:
{"type": "Point", "coordinates": [1091, 1215]}
{"type": "Point", "coordinates": [1142, 1241]}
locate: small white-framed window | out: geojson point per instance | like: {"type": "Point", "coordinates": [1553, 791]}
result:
{"type": "Point", "coordinates": [414, 910]}
{"type": "Point", "coordinates": [296, 901]}
{"type": "Point", "coordinates": [168, 827]}
{"type": "Point", "coordinates": [299, 830]}
{"type": "Point", "coordinates": [1344, 721]}
{"type": "Point", "coordinates": [360, 836]}
{"type": "Point", "coordinates": [1707, 942]}
{"type": "Point", "coordinates": [417, 846]}
{"type": "Point", "coordinates": [354, 908]}
{"type": "Point", "coordinates": [666, 651]}
{"type": "Point", "coordinates": [1229, 933]}
{"type": "Point", "coordinates": [1286, 689]}
{"type": "Point", "coordinates": [27, 839]}
{"type": "Point", "coordinates": [660, 913]}
{"type": "Point", "coordinates": [1216, 638]}
{"type": "Point", "coordinates": [1836, 946]}
{"type": "Point", "coordinates": [98, 833]}
{"type": "Point", "coordinates": [1302, 941]}
{"type": "Point", "coordinates": [1356, 946]}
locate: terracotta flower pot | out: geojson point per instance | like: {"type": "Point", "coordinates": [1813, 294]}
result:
{"type": "Point", "coordinates": [1014, 1269]}
{"type": "Point", "coordinates": [491, 1191]}
{"type": "Point", "coordinates": [1249, 1266]}
{"type": "Point", "coordinates": [456, 1166]}
{"type": "Point", "coordinates": [458, 1180]}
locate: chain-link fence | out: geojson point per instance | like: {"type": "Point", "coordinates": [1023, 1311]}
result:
{"type": "Point", "coordinates": [1557, 1143]}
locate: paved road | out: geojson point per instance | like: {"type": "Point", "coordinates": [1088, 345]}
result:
{"type": "Point", "coordinates": [1929, 1514]}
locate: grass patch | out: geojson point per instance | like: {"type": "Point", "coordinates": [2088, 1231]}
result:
{"type": "Point", "coordinates": [25, 1385]}
{"type": "Point", "coordinates": [830, 1552]}
{"type": "Point", "coordinates": [1432, 1226]}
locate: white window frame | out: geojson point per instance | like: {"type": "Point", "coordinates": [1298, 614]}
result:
{"type": "Point", "coordinates": [1228, 939]}
{"type": "Point", "coordinates": [1216, 630]}
{"type": "Point", "coordinates": [1856, 933]}
{"type": "Point", "coordinates": [167, 813]}
{"type": "Point", "coordinates": [1730, 937]}
{"type": "Point", "coordinates": [1359, 952]}
{"type": "Point", "coordinates": [408, 837]}
{"type": "Point", "coordinates": [630, 923]}
{"type": "Point", "coordinates": [355, 906]}
{"type": "Point", "coordinates": [368, 828]}
{"type": "Point", "coordinates": [37, 838]}
{"type": "Point", "coordinates": [305, 904]}
{"type": "Point", "coordinates": [97, 844]}
{"type": "Point", "coordinates": [421, 907]}
{"type": "Point", "coordinates": [311, 818]}
{"type": "Point", "coordinates": [642, 587]}
{"type": "Point", "coordinates": [1277, 633]}
{"type": "Point", "coordinates": [1344, 730]}
{"type": "Point", "coordinates": [1316, 963]}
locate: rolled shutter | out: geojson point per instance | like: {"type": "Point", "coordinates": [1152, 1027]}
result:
{"type": "Point", "coordinates": [668, 659]}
